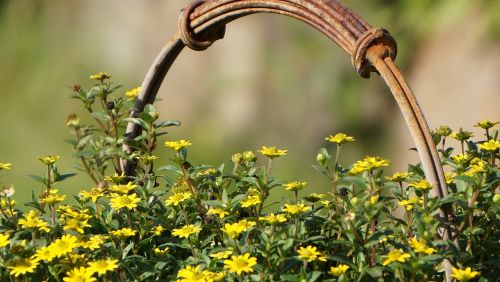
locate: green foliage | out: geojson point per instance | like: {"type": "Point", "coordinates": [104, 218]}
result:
{"type": "Point", "coordinates": [195, 222]}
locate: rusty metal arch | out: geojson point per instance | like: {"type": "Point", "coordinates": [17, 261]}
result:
{"type": "Point", "coordinates": [371, 50]}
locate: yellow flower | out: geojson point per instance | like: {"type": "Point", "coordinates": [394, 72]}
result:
{"type": "Point", "coordinates": [410, 203]}
{"type": "Point", "coordinates": [53, 198]}
{"type": "Point", "coordinates": [44, 253]}
{"type": "Point", "coordinates": [239, 264]}
{"type": "Point", "coordinates": [338, 270]}
{"type": "Point", "coordinates": [123, 189]}
{"type": "Point", "coordinates": [102, 266]}
{"type": "Point", "coordinates": [4, 240]}
{"type": "Point", "coordinates": [92, 243]}
{"type": "Point", "coordinates": [461, 159]}
{"type": "Point", "coordinates": [100, 76]}
{"type": "Point", "coordinates": [64, 245]}
{"type": "Point", "coordinates": [310, 254]}
{"type": "Point", "coordinates": [443, 131]}
{"type": "Point", "coordinates": [486, 124]}
{"type": "Point", "coordinates": [339, 138]}
{"type": "Point", "coordinates": [399, 176]}
{"type": "Point", "coordinates": [368, 164]}
{"type": "Point", "coordinates": [132, 93]}
{"type": "Point", "coordinates": [72, 121]}
{"type": "Point", "coordinates": [79, 274]}
{"type": "Point", "coordinates": [422, 185]}
{"type": "Point", "coordinates": [178, 145]}
{"type": "Point", "coordinates": [251, 200]}
{"type": "Point", "coordinates": [272, 152]}
{"type": "Point", "coordinates": [222, 255]}
{"type": "Point", "coordinates": [124, 201]}
{"type": "Point", "coordinates": [295, 186]}
{"type": "Point", "coordinates": [93, 195]}
{"type": "Point", "coordinates": [246, 224]}
{"type": "Point", "coordinates": [220, 212]}
{"type": "Point", "coordinates": [449, 177]}
{"type": "Point", "coordinates": [178, 198]}
{"type": "Point", "coordinates": [22, 266]}
{"type": "Point", "coordinates": [186, 231]}
{"type": "Point", "coordinates": [491, 145]}
{"type": "Point", "coordinates": [249, 156]}
{"type": "Point", "coordinates": [420, 246]}
{"type": "Point", "coordinates": [314, 197]}
{"type": "Point", "coordinates": [295, 209]}
{"type": "Point", "coordinates": [147, 159]}
{"type": "Point", "coordinates": [76, 225]}
{"type": "Point", "coordinates": [117, 179]}
{"type": "Point", "coordinates": [193, 274]}
{"type": "Point", "coordinates": [160, 252]}
{"type": "Point", "coordinates": [49, 160]}
{"type": "Point", "coordinates": [274, 218]}
{"type": "Point", "coordinates": [233, 230]}
{"type": "Point", "coordinates": [373, 199]}
{"type": "Point", "coordinates": [5, 166]}
{"type": "Point", "coordinates": [464, 274]}
{"type": "Point", "coordinates": [32, 221]}
{"type": "Point", "coordinates": [476, 166]}
{"type": "Point", "coordinates": [123, 233]}
{"type": "Point", "coordinates": [395, 255]}
{"type": "Point", "coordinates": [157, 230]}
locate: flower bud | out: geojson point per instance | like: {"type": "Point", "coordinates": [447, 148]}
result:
{"type": "Point", "coordinates": [249, 156]}
{"type": "Point", "coordinates": [236, 158]}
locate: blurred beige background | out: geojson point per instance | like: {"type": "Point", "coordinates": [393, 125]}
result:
{"type": "Point", "coordinates": [271, 81]}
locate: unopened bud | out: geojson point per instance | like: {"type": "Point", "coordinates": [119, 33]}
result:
{"type": "Point", "coordinates": [249, 156]}
{"type": "Point", "coordinates": [236, 158]}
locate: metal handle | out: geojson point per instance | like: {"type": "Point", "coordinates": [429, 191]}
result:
{"type": "Point", "coordinates": [371, 50]}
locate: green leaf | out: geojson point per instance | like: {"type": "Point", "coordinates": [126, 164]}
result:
{"type": "Point", "coordinates": [102, 116]}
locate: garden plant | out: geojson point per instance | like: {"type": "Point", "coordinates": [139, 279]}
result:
{"type": "Point", "coordinates": [152, 219]}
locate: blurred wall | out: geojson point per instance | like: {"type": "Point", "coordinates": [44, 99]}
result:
{"type": "Point", "coordinates": [271, 81]}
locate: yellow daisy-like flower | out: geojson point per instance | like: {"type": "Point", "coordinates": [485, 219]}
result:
{"type": "Point", "coordinates": [310, 254]}
{"type": "Point", "coordinates": [5, 166]}
{"type": "Point", "coordinates": [93, 194]}
{"type": "Point", "coordinates": [272, 152]}
{"type": "Point", "coordinates": [250, 201]}
{"type": "Point", "coordinates": [124, 201]}
{"type": "Point", "coordinates": [420, 246]}
{"type": "Point", "coordinates": [410, 203]}
{"type": "Point", "coordinates": [399, 176]}
{"type": "Point", "coordinates": [178, 145]}
{"type": "Point", "coordinates": [93, 242]}
{"type": "Point", "coordinates": [194, 274]}
{"type": "Point", "coordinates": [186, 231]}
{"type": "Point", "coordinates": [219, 212]}
{"type": "Point", "coordinates": [22, 266]}
{"type": "Point", "coordinates": [491, 145]}
{"type": "Point", "coordinates": [123, 233]}
{"type": "Point", "coordinates": [123, 189]}
{"type": "Point", "coordinates": [100, 76]}
{"type": "Point", "coordinates": [246, 224]}
{"type": "Point", "coordinates": [49, 160]}
{"type": "Point", "coordinates": [4, 240]}
{"type": "Point", "coordinates": [64, 245]}
{"type": "Point", "coordinates": [132, 93]}
{"type": "Point", "coordinates": [233, 230]}
{"type": "Point", "coordinates": [395, 255]}
{"type": "Point", "coordinates": [240, 264]}
{"type": "Point", "coordinates": [295, 186]}
{"type": "Point", "coordinates": [157, 230]}
{"type": "Point", "coordinates": [53, 198]}
{"type": "Point", "coordinates": [79, 274]}
{"type": "Point", "coordinates": [32, 221]}
{"type": "Point", "coordinates": [178, 198]}
{"type": "Point", "coordinates": [449, 177]}
{"type": "Point", "coordinates": [274, 218]}
{"type": "Point", "coordinates": [76, 225]}
{"type": "Point", "coordinates": [314, 197]}
{"type": "Point", "coordinates": [486, 124]}
{"type": "Point", "coordinates": [368, 164]}
{"type": "Point", "coordinates": [44, 253]}
{"type": "Point", "coordinates": [461, 159]}
{"type": "Point", "coordinates": [464, 274]}
{"type": "Point", "coordinates": [339, 138]}
{"type": "Point", "coordinates": [102, 266]}
{"type": "Point", "coordinates": [222, 255]}
{"type": "Point", "coordinates": [422, 185]}
{"type": "Point", "coordinates": [295, 209]}
{"type": "Point", "coordinates": [476, 166]}
{"type": "Point", "coordinates": [338, 270]}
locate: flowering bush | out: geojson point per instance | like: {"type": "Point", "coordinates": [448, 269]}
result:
{"type": "Point", "coordinates": [189, 222]}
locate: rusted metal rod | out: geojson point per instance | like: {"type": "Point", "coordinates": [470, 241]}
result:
{"type": "Point", "coordinates": [371, 49]}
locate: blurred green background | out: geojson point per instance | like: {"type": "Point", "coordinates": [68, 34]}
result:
{"type": "Point", "coordinates": [271, 81]}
